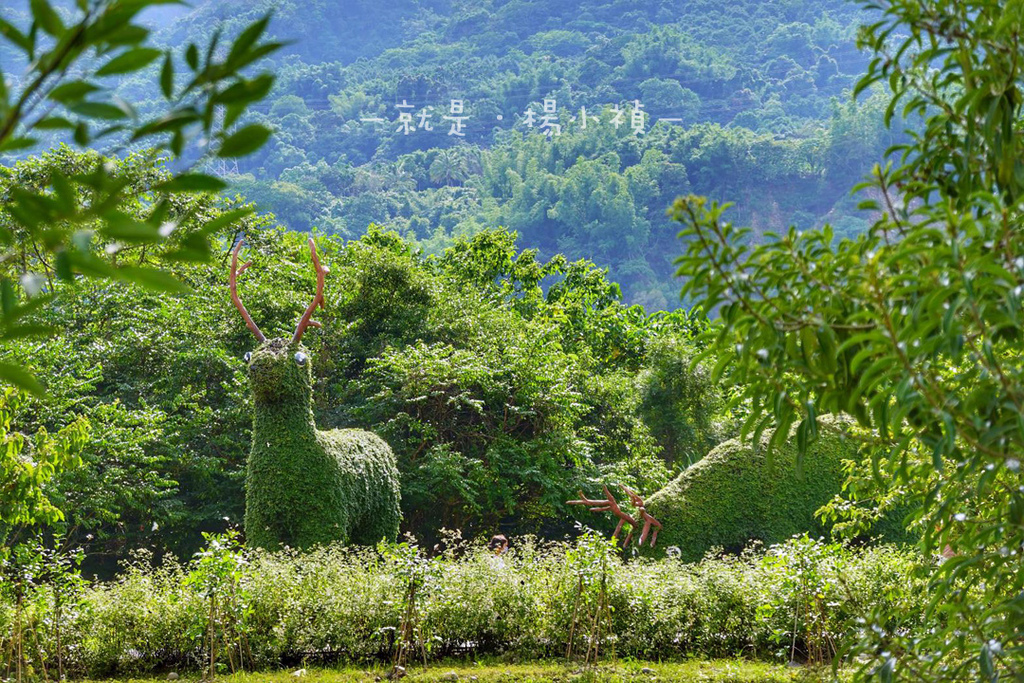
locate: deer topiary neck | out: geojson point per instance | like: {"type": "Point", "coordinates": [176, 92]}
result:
{"type": "Point", "coordinates": [272, 419]}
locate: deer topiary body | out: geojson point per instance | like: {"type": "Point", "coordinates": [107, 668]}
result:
{"type": "Point", "coordinates": [737, 494]}
{"type": "Point", "coordinates": [305, 486]}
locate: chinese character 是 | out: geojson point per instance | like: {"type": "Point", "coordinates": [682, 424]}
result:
{"type": "Point", "coordinates": [458, 121]}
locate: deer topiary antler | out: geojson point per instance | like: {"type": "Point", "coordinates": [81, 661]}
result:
{"type": "Point", "coordinates": [307, 317]}
{"type": "Point", "coordinates": [609, 504]}
{"type": "Point", "coordinates": [233, 286]}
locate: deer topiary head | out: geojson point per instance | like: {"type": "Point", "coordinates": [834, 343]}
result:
{"type": "Point", "coordinates": [305, 486]}
{"type": "Point", "coordinates": [279, 369]}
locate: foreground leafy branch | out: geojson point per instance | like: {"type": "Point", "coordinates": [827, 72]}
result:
{"type": "Point", "coordinates": [915, 328]}
{"type": "Point", "coordinates": [73, 224]}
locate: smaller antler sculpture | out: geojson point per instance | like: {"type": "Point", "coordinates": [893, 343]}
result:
{"type": "Point", "coordinates": [318, 300]}
{"type": "Point", "coordinates": [609, 504]}
{"type": "Point", "coordinates": [233, 286]}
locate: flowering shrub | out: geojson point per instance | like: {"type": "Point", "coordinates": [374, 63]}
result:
{"type": "Point", "coordinates": [798, 599]}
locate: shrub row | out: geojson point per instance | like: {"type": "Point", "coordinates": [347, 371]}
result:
{"type": "Point", "coordinates": [349, 605]}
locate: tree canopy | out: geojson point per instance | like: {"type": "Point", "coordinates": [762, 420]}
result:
{"type": "Point", "coordinates": [914, 328]}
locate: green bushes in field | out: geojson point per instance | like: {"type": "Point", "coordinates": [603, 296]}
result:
{"type": "Point", "coordinates": [347, 604]}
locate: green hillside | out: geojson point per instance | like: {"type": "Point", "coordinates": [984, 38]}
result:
{"type": "Point", "coordinates": [757, 94]}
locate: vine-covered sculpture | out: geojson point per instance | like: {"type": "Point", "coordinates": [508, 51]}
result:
{"type": "Point", "coordinates": [304, 486]}
{"type": "Point", "coordinates": [737, 493]}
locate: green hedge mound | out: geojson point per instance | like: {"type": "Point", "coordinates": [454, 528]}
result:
{"type": "Point", "coordinates": [734, 495]}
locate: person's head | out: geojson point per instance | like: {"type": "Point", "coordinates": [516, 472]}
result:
{"type": "Point", "coordinates": [498, 544]}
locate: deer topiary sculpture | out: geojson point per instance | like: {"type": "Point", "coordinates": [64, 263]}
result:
{"type": "Point", "coordinates": [737, 493]}
{"type": "Point", "coordinates": [304, 486]}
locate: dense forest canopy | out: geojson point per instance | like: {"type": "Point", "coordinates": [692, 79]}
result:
{"type": "Point", "coordinates": [857, 375]}
{"type": "Point", "coordinates": [758, 94]}
{"type": "Point", "coordinates": [502, 234]}
{"type": "Point", "coordinates": [500, 398]}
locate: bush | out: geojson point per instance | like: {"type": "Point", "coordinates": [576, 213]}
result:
{"type": "Point", "coordinates": [341, 604]}
{"type": "Point", "coordinates": [737, 493]}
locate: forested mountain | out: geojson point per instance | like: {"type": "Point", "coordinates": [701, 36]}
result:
{"type": "Point", "coordinates": [757, 93]}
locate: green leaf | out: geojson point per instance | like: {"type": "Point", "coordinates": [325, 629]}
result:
{"type": "Point", "coordinates": [8, 31]}
{"type": "Point", "coordinates": [65, 193]}
{"type": "Point", "coordinates": [226, 219]}
{"type": "Point", "coordinates": [192, 56]}
{"type": "Point", "coordinates": [127, 35]}
{"type": "Point", "coordinates": [8, 297]}
{"type": "Point", "coordinates": [256, 54]}
{"type": "Point", "coordinates": [19, 377]}
{"type": "Point", "coordinates": [124, 229]}
{"type": "Point", "coordinates": [26, 331]}
{"type": "Point", "coordinates": [241, 94]}
{"type": "Point", "coordinates": [32, 305]}
{"type": "Point", "coordinates": [47, 18]}
{"type": "Point", "coordinates": [246, 39]}
{"type": "Point", "coordinates": [245, 141]}
{"type": "Point", "coordinates": [81, 135]}
{"type": "Point", "coordinates": [192, 182]}
{"type": "Point", "coordinates": [153, 279]}
{"type": "Point", "coordinates": [177, 143]}
{"type": "Point", "coordinates": [54, 123]}
{"type": "Point", "coordinates": [132, 60]}
{"type": "Point", "coordinates": [99, 110]}
{"type": "Point", "coordinates": [72, 91]}
{"type": "Point", "coordinates": [17, 144]}
{"type": "Point", "coordinates": [167, 77]}
{"type": "Point", "coordinates": [110, 130]}
{"type": "Point", "coordinates": [173, 122]}
{"type": "Point", "coordinates": [194, 249]}
{"type": "Point", "coordinates": [247, 90]}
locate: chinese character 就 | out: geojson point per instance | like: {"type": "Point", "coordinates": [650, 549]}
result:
{"type": "Point", "coordinates": [424, 119]}
{"type": "Point", "coordinates": [405, 120]}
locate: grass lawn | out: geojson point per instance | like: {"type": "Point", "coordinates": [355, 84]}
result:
{"type": "Point", "coordinates": [721, 671]}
